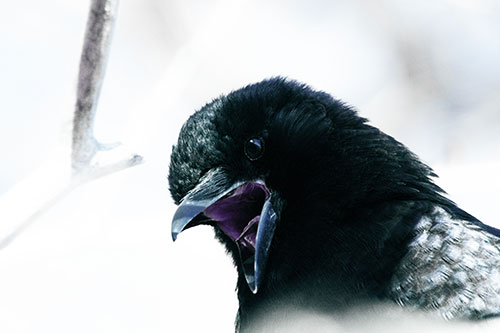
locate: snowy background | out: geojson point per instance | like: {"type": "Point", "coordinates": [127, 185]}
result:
{"type": "Point", "coordinates": [102, 259]}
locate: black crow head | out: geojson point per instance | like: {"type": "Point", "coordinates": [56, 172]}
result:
{"type": "Point", "coordinates": [292, 181]}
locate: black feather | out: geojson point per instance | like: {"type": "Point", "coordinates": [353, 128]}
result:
{"type": "Point", "coordinates": [348, 195]}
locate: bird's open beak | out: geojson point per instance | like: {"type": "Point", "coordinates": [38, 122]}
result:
{"type": "Point", "coordinates": [242, 210]}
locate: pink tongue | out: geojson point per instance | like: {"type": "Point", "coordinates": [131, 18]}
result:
{"type": "Point", "coordinates": [249, 234]}
{"type": "Point", "coordinates": [238, 214]}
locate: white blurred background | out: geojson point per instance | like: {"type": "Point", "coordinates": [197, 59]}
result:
{"type": "Point", "coordinates": [102, 259]}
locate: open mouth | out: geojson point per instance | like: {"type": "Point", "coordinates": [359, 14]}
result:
{"type": "Point", "coordinates": [238, 214]}
{"type": "Point", "coordinates": [243, 212]}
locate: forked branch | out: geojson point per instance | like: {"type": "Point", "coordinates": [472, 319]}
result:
{"type": "Point", "coordinates": [23, 204]}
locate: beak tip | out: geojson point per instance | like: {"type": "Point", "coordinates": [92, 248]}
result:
{"type": "Point", "coordinates": [174, 235]}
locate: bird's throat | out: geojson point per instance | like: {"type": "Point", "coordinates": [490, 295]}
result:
{"type": "Point", "coordinates": [238, 214]}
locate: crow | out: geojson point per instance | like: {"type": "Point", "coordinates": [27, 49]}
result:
{"type": "Point", "coordinates": [322, 211]}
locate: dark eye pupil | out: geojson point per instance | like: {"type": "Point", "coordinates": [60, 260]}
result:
{"type": "Point", "coordinates": [254, 148]}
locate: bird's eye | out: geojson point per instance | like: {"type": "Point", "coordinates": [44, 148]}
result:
{"type": "Point", "coordinates": [254, 148]}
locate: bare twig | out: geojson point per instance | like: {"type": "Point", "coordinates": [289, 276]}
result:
{"type": "Point", "coordinates": [19, 228]}
{"type": "Point", "coordinates": [46, 188]}
{"type": "Point", "coordinates": [95, 53]}
{"type": "Point", "coordinates": [92, 68]}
